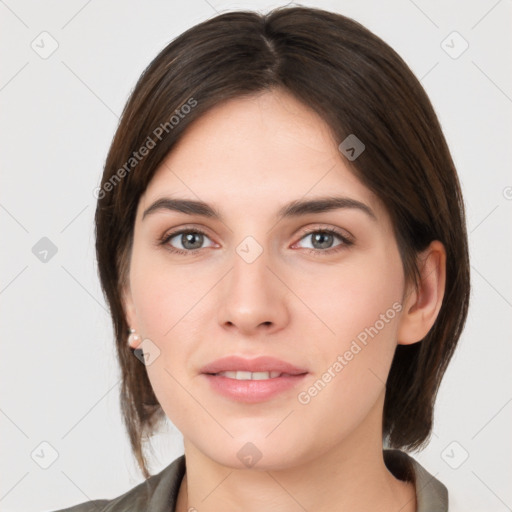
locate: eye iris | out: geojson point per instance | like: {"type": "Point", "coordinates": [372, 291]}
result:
{"type": "Point", "coordinates": [194, 240]}
{"type": "Point", "coordinates": [321, 237]}
{"type": "Point", "coordinates": [189, 237]}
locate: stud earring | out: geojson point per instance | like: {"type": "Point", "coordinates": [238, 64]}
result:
{"type": "Point", "coordinates": [133, 338]}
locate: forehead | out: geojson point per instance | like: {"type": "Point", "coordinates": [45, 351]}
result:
{"type": "Point", "coordinates": [254, 152]}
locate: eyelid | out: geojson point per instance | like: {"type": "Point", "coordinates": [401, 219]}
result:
{"type": "Point", "coordinates": [342, 233]}
{"type": "Point", "coordinates": [346, 238]}
{"type": "Point", "coordinates": [173, 232]}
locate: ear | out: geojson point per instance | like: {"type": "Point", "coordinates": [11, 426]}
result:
{"type": "Point", "coordinates": [130, 314]}
{"type": "Point", "coordinates": [421, 305]}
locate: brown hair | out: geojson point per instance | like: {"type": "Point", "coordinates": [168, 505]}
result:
{"type": "Point", "coordinates": [358, 85]}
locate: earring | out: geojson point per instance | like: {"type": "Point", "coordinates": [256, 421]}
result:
{"type": "Point", "coordinates": [133, 338]}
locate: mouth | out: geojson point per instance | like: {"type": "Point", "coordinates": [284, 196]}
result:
{"type": "Point", "coordinates": [244, 368]}
{"type": "Point", "coordinates": [252, 380]}
{"type": "Point", "coordinates": [243, 375]}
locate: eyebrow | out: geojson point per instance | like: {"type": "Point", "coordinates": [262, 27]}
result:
{"type": "Point", "coordinates": [293, 209]}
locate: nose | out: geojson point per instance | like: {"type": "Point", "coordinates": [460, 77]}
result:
{"type": "Point", "coordinates": [253, 297]}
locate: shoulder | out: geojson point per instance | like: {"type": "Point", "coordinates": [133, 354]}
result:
{"type": "Point", "coordinates": [431, 494]}
{"type": "Point", "coordinates": [158, 493]}
{"type": "Point", "coordinates": [89, 506]}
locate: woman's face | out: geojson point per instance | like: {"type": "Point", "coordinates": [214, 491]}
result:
{"type": "Point", "coordinates": [259, 284]}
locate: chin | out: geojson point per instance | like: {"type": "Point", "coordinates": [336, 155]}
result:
{"type": "Point", "coordinates": [257, 452]}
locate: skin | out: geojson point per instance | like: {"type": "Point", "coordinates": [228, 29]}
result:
{"type": "Point", "coordinates": [248, 157]}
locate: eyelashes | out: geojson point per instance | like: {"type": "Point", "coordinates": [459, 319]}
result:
{"type": "Point", "coordinates": [345, 241]}
{"type": "Point", "coordinates": [168, 237]}
{"type": "Point", "coordinates": [330, 232]}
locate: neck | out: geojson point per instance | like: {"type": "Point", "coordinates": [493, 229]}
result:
{"type": "Point", "coordinates": [352, 475]}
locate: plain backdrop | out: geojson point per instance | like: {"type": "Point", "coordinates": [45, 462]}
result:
{"type": "Point", "coordinates": [66, 69]}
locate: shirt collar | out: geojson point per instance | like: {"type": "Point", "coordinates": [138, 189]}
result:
{"type": "Point", "coordinates": [431, 494]}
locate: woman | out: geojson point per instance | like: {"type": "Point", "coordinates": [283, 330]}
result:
{"type": "Point", "coordinates": [281, 240]}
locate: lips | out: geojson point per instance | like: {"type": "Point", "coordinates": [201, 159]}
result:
{"type": "Point", "coordinates": [252, 380]}
{"type": "Point", "coordinates": [256, 366]}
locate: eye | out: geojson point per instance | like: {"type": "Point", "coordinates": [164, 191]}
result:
{"type": "Point", "coordinates": [322, 240]}
{"type": "Point", "coordinates": [191, 240]}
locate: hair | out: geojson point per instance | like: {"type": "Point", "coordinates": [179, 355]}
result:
{"type": "Point", "coordinates": [358, 85]}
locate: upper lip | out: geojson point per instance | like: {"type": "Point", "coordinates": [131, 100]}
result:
{"type": "Point", "coordinates": [258, 364]}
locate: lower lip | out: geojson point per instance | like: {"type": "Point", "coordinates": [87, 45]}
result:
{"type": "Point", "coordinates": [252, 391]}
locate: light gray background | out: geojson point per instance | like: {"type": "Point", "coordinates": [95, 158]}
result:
{"type": "Point", "coordinates": [60, 380]}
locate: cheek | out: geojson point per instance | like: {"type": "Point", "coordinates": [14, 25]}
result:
{"type": "Point", "coordinates": [350, 298]}
{"type": "Point", "coordinates": [359, 307]}
{"type": "Point", "coordinates": [164, 303]}
{"type": "Point", "coordinates": [162, 295]}
{"type": "Point", "coordinates": [169, 304]}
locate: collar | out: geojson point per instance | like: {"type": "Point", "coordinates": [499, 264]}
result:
{"type": "Point", "coordinates": [159, 492]}
{"type": "Point", "coordinates": [431, 494]}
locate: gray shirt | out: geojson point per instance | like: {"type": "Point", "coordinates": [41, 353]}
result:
{"type": "Point", "coordinates": [159, 492]}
